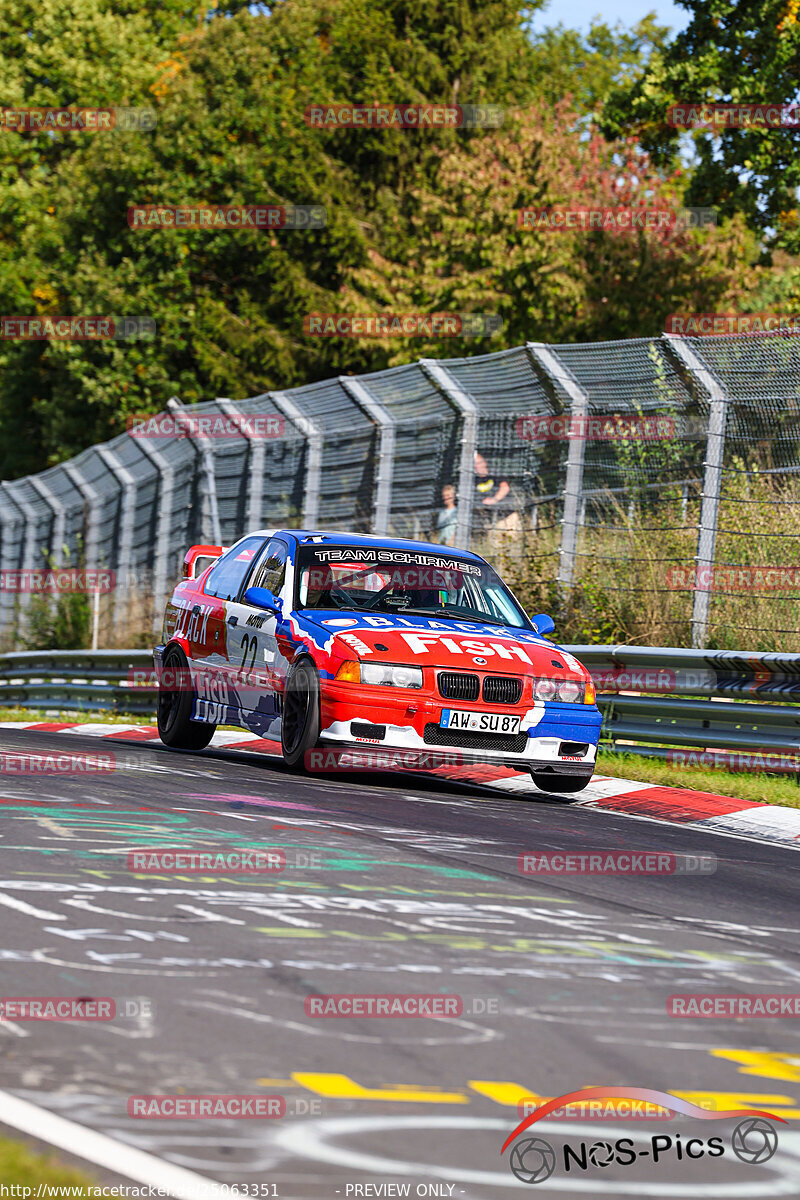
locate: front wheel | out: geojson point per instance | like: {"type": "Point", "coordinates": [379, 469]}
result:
{"type": "Point", "coordinates": [563, 784]}
{"type": "Point", "coordinates": [175, 698]}
{"type": "Point", "coordinates": [300, 722]}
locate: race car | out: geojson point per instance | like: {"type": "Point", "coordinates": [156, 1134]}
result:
{"type": "Point", "coordinates": [313, 640]}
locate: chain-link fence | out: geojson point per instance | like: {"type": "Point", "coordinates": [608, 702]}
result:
{"type": "Point", "coordinates": [646, 490]}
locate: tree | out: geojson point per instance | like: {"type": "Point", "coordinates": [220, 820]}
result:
{"type": "Point", "coordinates": [468, 255]}
{"type": "Point", "coordinates": [742, 51]}
{"type": "Point", "coordinates": [230, 95]}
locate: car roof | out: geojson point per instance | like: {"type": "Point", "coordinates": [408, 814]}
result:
{"type": "Point", "coordinates": [366, 539]}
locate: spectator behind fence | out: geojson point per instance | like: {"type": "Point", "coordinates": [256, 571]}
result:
{"type": "Point", "coordinates": [497, 501]}
{"type": "Point", "coordinates": [447, 517]}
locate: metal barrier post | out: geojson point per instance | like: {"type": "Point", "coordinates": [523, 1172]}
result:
{"type": "Point", "coordinates": [386, 423]}
{"type": "Point", "coordinates": [712, 487]}
{"type": "Point", "coordinates": [573, 484]}
{"type": "Point", "coordinates": [465, 404]}
{"type": "Point", "coordinates": [124, 563]}
{"type": "Point", "coordinates": [255, 465]}
{"type": "Point", "coordinates": [166, 487]}
{"type": "Point", "coordinates": [313, 435]}
{"type": "Point", "coordinates": [206, 452]}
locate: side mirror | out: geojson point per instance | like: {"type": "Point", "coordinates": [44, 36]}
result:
{"type": "Point", "coordinates": [262, 598]}
{"type": "Point", "coordinates": [543, 624]}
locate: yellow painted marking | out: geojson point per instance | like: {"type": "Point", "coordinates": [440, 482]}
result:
{"type": "Point", "coordinates": [511, 1095]}
{"type": "Point", "coordinates": [503, 1091]}
{"type": "Point", "coordinates": [766, 1064]}
{"type": "Point", "coordinates": [714, 1101]}
{"type": "Point", "coordinates": [344, 1088]}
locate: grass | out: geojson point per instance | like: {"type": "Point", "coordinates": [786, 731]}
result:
{"type": "Point", "coordinates": [773, 789]}
{"type": "Point", "coordinates": [20, 1166]}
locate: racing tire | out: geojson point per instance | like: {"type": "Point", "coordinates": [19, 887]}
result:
{"type": "Point", "coordinates": [174, 707]}
{"type": "Point", "coordinates": [563, 784]}
{"type": "Point", "coordinates": [300, 719]}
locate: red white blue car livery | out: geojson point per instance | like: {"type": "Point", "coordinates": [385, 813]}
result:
{"type": "Point", "coordinates": [337, 640]}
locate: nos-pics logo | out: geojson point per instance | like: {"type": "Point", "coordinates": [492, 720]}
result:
{"type": "Point", "coordinates": [533, 1160]}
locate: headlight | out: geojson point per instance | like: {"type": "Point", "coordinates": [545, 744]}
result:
{"type": "Point", "coordinates": [567, 691]}
{"type": "Point", "coordinates": [382, 674]}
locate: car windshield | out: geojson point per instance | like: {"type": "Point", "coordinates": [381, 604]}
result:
{"type": "Point", "coordinates": [386, 580]}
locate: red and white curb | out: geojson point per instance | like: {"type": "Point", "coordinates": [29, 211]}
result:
{"type": "Point", "coordinates": [676, 806]}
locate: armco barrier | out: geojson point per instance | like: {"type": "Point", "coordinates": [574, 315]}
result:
{"type": "Point", "coordinates": [84, 680]}
{"type": "Point", "coordinates": [722, 705]}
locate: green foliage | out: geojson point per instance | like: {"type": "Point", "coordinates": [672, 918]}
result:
{"type": "Point", "coordinates": [586, 68]}
{"type": "Point", "coordinates": [417, 221]}
{"type": "Point", "coordinates": [60, 622]}
{"type": "Point", "coordinates": [733, 50]}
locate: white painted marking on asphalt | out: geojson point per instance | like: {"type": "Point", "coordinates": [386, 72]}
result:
{"type": "Point", "coordinates": [61, 831]}
{"type": "Point", "coordinates": [209, 916]}
{"type": "Point", "coordinates": [314, 1139]}
{"type": "Point", "coordinates": [102, 1151]}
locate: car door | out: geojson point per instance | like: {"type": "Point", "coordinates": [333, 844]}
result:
{"type": "Point", "coordinates": [252, 641]}
{"type": "Point", "coordinates": [213, 667]}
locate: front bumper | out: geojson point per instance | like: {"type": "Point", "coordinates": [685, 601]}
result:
{"type": "Point", "coordinates": [561, 738]}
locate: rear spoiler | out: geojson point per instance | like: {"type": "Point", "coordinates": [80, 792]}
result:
{"type": "Point", "coordinates": [198, 558]}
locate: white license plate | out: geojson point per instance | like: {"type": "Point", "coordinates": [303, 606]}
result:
{"type": "Point", "coordinates": [455, 718]}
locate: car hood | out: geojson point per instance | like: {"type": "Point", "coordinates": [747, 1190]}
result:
{"type": "Point", "coordinates": [427, 641]}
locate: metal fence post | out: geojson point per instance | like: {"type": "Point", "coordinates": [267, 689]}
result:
{"type": "Point", "coordinates": [124, 562]}
{"type": "Point", "coordinates": [470, 414]}
{"type": "Point", "coordinates": [255, 463]}
{"type": "Point", "coordinates": [166, 488]}
{"type": "Point", "coordinates": [573, 484]}
{"type": "Point", "coordinates": [386, 423]}
{"type": "Point", "coordinates": [200, 442]}
{"type": "Point", "coordinates": [9, 554]}
{"type": "Point", "coordinates": [712, 486]}
{"type": "Point", "coordinates": [59, 524]}
{"type": "Point", "coordinates": [313, 435]}
{"type": "Point", "coordinates": [29, 542]}
{"type": "Point", "coordinates": [91, 551]}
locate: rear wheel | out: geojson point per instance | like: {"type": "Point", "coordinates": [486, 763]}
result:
{"type": "Point", "coordinates": [563, 784]}
{"type": "Point", "coordinates": [175, 698]}
{"type": "Point", "coordinates": [300, 722]}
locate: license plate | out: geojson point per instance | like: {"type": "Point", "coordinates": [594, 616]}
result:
{"type": "Point", "coordinates": [455, 718]}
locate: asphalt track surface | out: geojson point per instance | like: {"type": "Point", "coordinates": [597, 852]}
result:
{"type": "Point", "coordinates": [412, 886]}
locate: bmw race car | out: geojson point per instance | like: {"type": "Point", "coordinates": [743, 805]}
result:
{"type": "Point", "coordinates": [346, 641]}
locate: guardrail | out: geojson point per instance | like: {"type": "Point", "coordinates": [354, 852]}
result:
{"type": "Point", "coordinates": [84, 680]}
{"type": "Point", "coordinates": [719, 708]}
{"type": "Point", "coordinates": [707, 703]}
